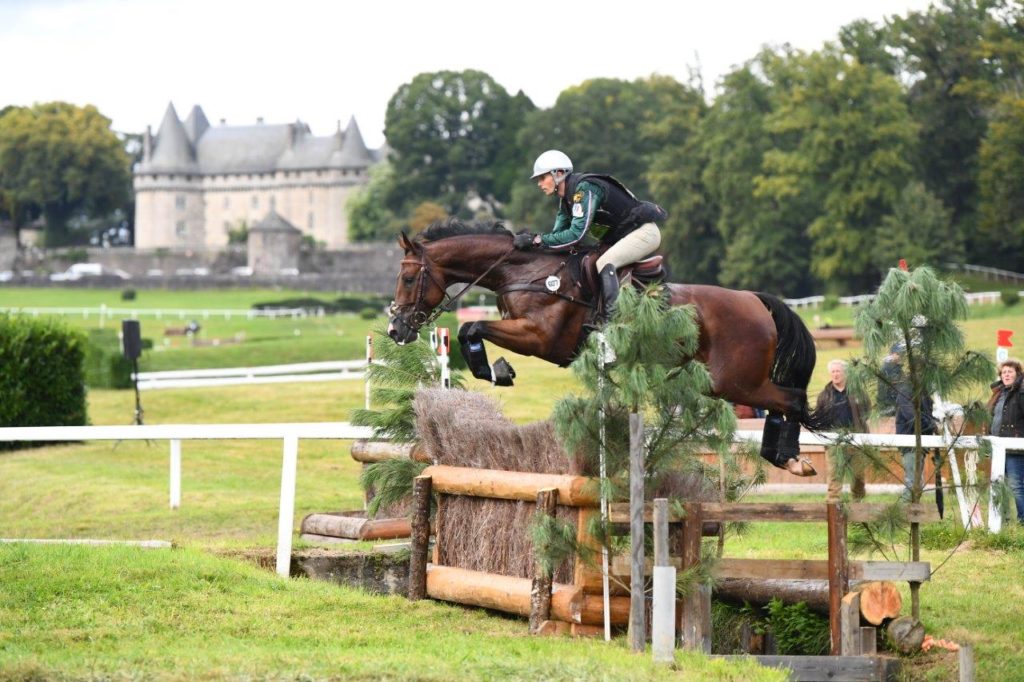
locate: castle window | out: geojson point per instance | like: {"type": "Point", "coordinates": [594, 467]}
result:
{"type": "Point", "coordinates": [179, 229]}
{"type": "Point", "coordinates": [179, 202]}
{"type": "Point", "coordinates": [311, 221]}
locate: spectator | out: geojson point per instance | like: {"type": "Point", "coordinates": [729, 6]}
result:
{"type": "Point", "coordinates": [1007, 408]}
{"type": "Point", "coordinates": [844, 412]}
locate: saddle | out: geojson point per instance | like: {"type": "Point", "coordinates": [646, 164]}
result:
{"type": "Point", "coordinates": [650, 270]}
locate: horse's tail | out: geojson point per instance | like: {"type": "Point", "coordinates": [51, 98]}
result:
{"type": "Point", "coordinates": [794, 355]}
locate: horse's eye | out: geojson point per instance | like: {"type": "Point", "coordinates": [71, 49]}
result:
{"type": "Point", "coordinates": [408, 281]}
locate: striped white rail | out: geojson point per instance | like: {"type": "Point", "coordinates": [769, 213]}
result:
{"type": "Point", "coordinates": [268, 374]}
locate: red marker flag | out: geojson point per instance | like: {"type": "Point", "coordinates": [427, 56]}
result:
{"type": "Point", "coordinates": [1003, 338]}
{"type": "Point", "coordinates": [903, 264]}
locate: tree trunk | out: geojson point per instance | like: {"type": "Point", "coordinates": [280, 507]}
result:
{"type": "Point", "coordinates": [880, 599]}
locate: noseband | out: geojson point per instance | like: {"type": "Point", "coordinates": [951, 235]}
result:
{"type": "Point", "coordinates": [417, 317]}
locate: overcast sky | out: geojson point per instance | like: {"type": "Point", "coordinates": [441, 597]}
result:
{"type": "Point", "coordinates": [325, 61]}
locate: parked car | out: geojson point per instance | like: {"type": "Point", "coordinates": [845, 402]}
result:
{"type": "Point", "coordinates": [81, 270]}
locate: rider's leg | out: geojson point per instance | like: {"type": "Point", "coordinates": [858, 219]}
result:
{"type": "Point", "coordinates": [636, 245]}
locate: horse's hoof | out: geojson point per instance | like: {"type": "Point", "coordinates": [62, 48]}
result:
{"type": "Point", "coordinates": [800, 466]}
{"type": "Point", "coordinates": [502, 373]}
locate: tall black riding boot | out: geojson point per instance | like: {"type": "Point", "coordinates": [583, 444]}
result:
{"type": "Point", "coordinates": [609, 292]}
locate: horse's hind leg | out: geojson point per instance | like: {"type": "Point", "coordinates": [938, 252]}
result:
{"type": "Point", "coordinates": [780, 439]}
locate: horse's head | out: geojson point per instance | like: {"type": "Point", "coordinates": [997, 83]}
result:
{"type": "Point", "coordinates": [420, 289]}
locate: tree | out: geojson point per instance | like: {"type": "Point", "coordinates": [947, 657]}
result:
{"type": "Point", "coordinates": [369, 218]}
{"type": "Point", "coordinates": [846, 137]}
{"type": "Point", "coordinates": [63, 159]}
{"type": "Point", "coordinates": [764, 242]}
{"type": "Point", "coordinates": [921, 313]}
{"type": "Point", "coordinates": [941, 55]}
{"type": "Point", "coordinates": [452, 133]}
{"type": "Point", "coordinates": [1002, 188]}
{"type": "Point", "coordinates": [919, 230]}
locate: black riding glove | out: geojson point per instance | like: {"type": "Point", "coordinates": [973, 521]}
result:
{"type": "Point", "coordinates": [523, 241]}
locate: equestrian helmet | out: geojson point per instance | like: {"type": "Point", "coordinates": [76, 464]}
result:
{"type": "Point", "coordinates": [550, 161]}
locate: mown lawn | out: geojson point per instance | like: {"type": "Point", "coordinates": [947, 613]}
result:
{"type": "Point", "coordinates": [78, 612]}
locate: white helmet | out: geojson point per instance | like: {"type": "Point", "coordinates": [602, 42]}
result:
{"type": "Point", "coordinates": [550, 161]}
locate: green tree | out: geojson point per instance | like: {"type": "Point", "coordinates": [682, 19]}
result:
{"type": "Point", "coordinates": [1002, 187]}
{"type": "Point", "coordinates": [369, 218]}
{"type": "Point", "coordinates": [941, 54]}
{"type": "Point", "coordinates": [919, 230]}
{"type": "Point", "coordinates": [63, 159]}
{"type": "Point", "coordinates": [922, 313]}
{"type": "Point", "coordinates": [765, 247]}
{"type": "Point", "coordinates": [846, 136]}
{"type": "Point", "coordinates": [452, 133]}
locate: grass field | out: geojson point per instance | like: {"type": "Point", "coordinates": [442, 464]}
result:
{"type": "Point", "coordinates": [187, 613]}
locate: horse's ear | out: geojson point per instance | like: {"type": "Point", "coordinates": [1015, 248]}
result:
{"type": "Point", "coordinates": [405, 242]}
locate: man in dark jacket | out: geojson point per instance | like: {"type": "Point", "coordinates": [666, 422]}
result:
{"type": "Point", "coordinates": [846, 412]}
{"type": "Point", "coordinates": [1007, 408]}
{"type": "Point", "coordinates": [595, 208]}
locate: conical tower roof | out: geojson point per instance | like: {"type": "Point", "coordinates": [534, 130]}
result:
{"type": "Point", "coordinates": [174, 152]}
{"type": "Point", "coordinates": [196, 124]}
{"type": "Point", "coordinates": [353, 153]}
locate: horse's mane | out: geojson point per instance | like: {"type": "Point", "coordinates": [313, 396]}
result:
{"type": "Point", "coordinates": [453, 227]}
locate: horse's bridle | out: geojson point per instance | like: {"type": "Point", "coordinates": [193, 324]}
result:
{"type": "Point", "coordinates": [418, 317]}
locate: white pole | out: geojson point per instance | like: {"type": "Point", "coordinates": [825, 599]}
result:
{"type": "Point", "coordinates": [369, 361]}
{"type": "Point", "coordinates": [663, 607]}
{"type": "Point", "coordinates": [286, 514]}
{"type": "Point", "coordinates": [175, 473]}
{"type": "Point", "coordinates": [948, 412]}
{"type": "Point", "coordinates": [444, 341]}
{"type": "Point", "coordinates": [995, 514]}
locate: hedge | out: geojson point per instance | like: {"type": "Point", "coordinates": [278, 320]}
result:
{"type": "Point", "coordinates": [41, 374]}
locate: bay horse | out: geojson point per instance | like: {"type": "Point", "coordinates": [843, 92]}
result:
{"type": "Point", "coordinates": [757, 350]}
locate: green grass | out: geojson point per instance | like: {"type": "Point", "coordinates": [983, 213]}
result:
{"type": "Point", "coordinates": [71, 611]}
{"type": "Point", "coordinates": [77, 612]}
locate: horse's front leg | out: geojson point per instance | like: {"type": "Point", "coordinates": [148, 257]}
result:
{"type": "Point", "coordinates": [519, 335]}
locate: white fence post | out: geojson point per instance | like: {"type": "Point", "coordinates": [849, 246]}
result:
{"type": "Point", "coordinates": [995, 514]}
{"type": "Point", "coordinates": [175, 473]}
{"type": "Point", "coordinates": [369, 361]}
{"type": "Point", "coordinates": [286, 514]}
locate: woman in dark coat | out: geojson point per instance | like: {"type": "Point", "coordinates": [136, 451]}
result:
{"type": "Point", "coordinates": [1007, 408]}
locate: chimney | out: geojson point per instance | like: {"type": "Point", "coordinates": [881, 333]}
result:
{"type": "Point", "coordinates": [223, 121]}
{"type": "Point", "coordinates": [259, 120]}
{"type": "Point", "coordinates": [147, 145]}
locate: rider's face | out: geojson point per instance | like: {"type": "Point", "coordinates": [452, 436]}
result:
{"type": "Point", "coordinates": [546, 183]}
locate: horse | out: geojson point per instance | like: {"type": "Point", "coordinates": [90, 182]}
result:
{"type": "Point", "coordinates": [757, 351]}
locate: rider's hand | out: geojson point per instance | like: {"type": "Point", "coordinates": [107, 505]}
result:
{"type": "Point", "coordinates": [523, 241]}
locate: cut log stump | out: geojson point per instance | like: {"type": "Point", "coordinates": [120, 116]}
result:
{"type": "Point", "coordinates": [879, 601]}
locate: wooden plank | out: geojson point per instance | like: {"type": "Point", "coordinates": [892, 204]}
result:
{"type": "Point", "coordinates": [863, 512]}
{"type": "Point", "coordinates": [838, 668]}
{"type": "Point", "coordinates": [868, 640]}
{"type": "Point", "coordinates": [638, 597]}
{"type": "Point", "coordinates": [694, 628]}
{"type": "Point", "coordinates": [909, 571]}
{"type": "Point", "coordinates": [805, 512]}
{"type": "Point", "coordinates": [783, 569]}
{"type": "Point", "coordinates": [849, 625]}
{"type": "Point", "coordinates": [965, 659]}
{"type": "Point", "coordinates": [838, 575]}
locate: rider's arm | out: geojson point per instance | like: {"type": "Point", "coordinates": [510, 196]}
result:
{"type": "Point", "coordinates": [570, 229]}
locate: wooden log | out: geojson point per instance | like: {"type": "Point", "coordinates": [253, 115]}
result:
{"type": "Point", "coordinates": [540, 590]}
{"type": "Point", "coordinates": [370, 451]}
{"type": "Point", "coordinates": [554, 628]}
{"type": "Point", "coordinates": [420, 538]}
{"type": "Point", "coordinates": [354, 526]}
{"type": "Point", "coordinates": [573, 491]}
{"type": "Point", "coordinates": [578, 630]}
{"type": "Point", "coordinates": [512, 595]}
{"type": "Point", "coordinates": [789, 589]}
{"type": "Point", "coordinates": [805, 512]}
{"type": "Point", "coordinates": [905, 634]}
{"type": "Point", "coordinates": [879, 601]}
{"type": "Point", "coordinates": [582, 573]}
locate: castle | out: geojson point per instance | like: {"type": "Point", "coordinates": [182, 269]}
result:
{"type": "Point", "coordinates": [197, 182]}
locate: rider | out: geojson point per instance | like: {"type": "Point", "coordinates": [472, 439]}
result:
{"type": "Point", "coordinates": [595, 208]}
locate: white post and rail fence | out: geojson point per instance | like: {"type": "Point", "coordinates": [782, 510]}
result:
{"type": "Point", "coordinates": [291, 433]}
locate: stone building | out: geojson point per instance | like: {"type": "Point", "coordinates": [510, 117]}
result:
{"type": "Point", "coordinates": [196, 182]}
{"type": "Point", "coordinates": [273, 246]}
